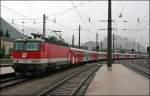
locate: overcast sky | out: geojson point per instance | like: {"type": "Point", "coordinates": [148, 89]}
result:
{"type": "Point", "coordinates": [69, 14]}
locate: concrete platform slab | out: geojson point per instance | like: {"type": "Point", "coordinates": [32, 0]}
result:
{"type": "Point", "coordinates": [118, 80]}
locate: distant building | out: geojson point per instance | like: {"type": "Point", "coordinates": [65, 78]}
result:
{"type": "Point", "coordinates": [6, 43]}
{"type": "Point", "coordinates": [13, 32]}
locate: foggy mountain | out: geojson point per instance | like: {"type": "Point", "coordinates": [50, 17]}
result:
{"type": "Point", "coordinates": [119, 42]}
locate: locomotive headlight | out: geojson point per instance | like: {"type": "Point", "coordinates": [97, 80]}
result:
{"type": "Point", "coordinates": [35, 61]}
{"type": "Point", "coordinates": [15, 60]}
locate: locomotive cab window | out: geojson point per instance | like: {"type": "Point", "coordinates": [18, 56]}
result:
{"type": "Point", "coordinates": [32, 46]}
{"type": "Point", "coordinates": [18, 46]}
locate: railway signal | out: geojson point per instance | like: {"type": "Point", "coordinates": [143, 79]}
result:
{"type": "Point", "coordinates": [148, 49]}
{"type": "Point", "coordinates": [97, 48]}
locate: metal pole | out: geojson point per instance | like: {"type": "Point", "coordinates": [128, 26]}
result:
{"type": "Point", "coordinates": [23, 26]}
{"type": "Point", "coordinates": [72, 40]}
{"type": "Point", "coordinates": [79, 35]}
{"type": "Point", "coordinates": [101, 45]}
{"type": "Point", "coordinates": [149, 44]}
{"type": "Point", "coordinates": [134, 46]}
{"type": "Point", "coordinates": [113, 46]}
{"type": "Point", "coordinates": [138, 48]}
{"type": "Point", "coordinates": [96, 40]}
{"type": "Point", "coordinates": [44, 25]}
{"type": "Point", "coordinates": [109, 51]}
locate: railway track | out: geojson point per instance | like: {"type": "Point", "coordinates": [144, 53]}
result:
{"type": "Point", "coordinates": [139, 69]}
{"type": "Point", "coordinates": [7, 75]}
{"type": "Point", "coordinates": [71, 84]}
{"type": "Point", "coordinates": [8, 80]}
{"type": "Point", "coordinates": [12, 81]}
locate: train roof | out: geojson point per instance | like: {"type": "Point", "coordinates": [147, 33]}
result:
{"type": "Point", "coordinates": [29, 40]}
{"type": "Point", "coordinates": [102, 52]}
{"type": "Point", "coordinates": [78, 49]}
{"type": "Point", "coordinates": [89, 51]}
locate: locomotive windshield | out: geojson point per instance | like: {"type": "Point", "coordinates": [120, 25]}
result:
{"type": "Point", "coordinates": [32, 46]}
{"type": "Point", "coordinates": [19, 46]}
{"type": "Point", "coordinates": [26, 46]}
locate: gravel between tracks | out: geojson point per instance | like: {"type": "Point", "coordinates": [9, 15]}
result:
{"type": "Point", "coordinates": [36, 86]}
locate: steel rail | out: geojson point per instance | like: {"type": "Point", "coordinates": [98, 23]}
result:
{"type": "Point", "coordinates": [147, 74]}
{"type": "Point", "coordinates": [13, 82]}
{"type": "Point", "coordinates": [83, 81]}
{"type": "Point", "coordinates": [7, 75]}
{"type": "Point", "coordinates": [7, 79]}
{"type": "Point", "coordinates": [62, 82]}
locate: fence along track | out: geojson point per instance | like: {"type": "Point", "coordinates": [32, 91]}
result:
{"type": "Point", "coordinates": [68, 85]}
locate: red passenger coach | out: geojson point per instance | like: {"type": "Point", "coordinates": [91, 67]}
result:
{"type": "Point", "coordinates": [77, 56]}
{"type": "Point", "coordinates": [94, 56]}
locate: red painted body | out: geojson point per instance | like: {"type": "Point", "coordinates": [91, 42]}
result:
{"type": "Point", "coordinates": [55, 55]}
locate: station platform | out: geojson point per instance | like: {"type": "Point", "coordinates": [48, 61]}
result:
{"type": "Point", "coordinates": [6, 70]}
{"type": "Point", "coordinates": [118, 80]}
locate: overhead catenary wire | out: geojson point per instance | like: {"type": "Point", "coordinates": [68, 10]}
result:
{"type": "Point", "coordinates": [30, 18]}
{"type": "Point", "coordinates": [123, 6]}
{"type": "Point", "coordinates": [33, 7]}
{"type": "Point", "coordinates": [16, 12]}
{"type": "Point", "coordinates": [82, 19]}
{"type": "Point", "coordinates": [79, 14]}
{"type": "Point", "coordinates": [121, 10]}
{"type": "Point", "coordinates": [20, 14]}
{"type": "Point", "coordinates": [118, 9]}
{"type": "Point", "coordinates": [64, 25]}
{"type": "Point", "coordinates": [29, 27]}
{"type": "Point", "coordinates": [54, 14]}
{"type": "Point", "coordinates": [64, 11]}
{"type": "Point", "coordinates": [88, 17]}
{"type": "Point", "coordinates": [91, 11]}
{"type": "Point", "coordinates": [61, 24]}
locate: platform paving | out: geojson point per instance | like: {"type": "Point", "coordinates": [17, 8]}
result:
{"type": "Point", "coordinates": [118, 80]}
{"type": "Point", "coordinates": [6, 70]}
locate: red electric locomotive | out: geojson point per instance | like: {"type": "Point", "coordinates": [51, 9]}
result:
{"type": "Point", "coordinates": [36, 55]}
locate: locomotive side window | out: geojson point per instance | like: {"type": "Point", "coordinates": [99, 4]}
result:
{"type": "Point", "coordinates": [18, 46]}
{"type": "Point", "coordinates": [32, 46]}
